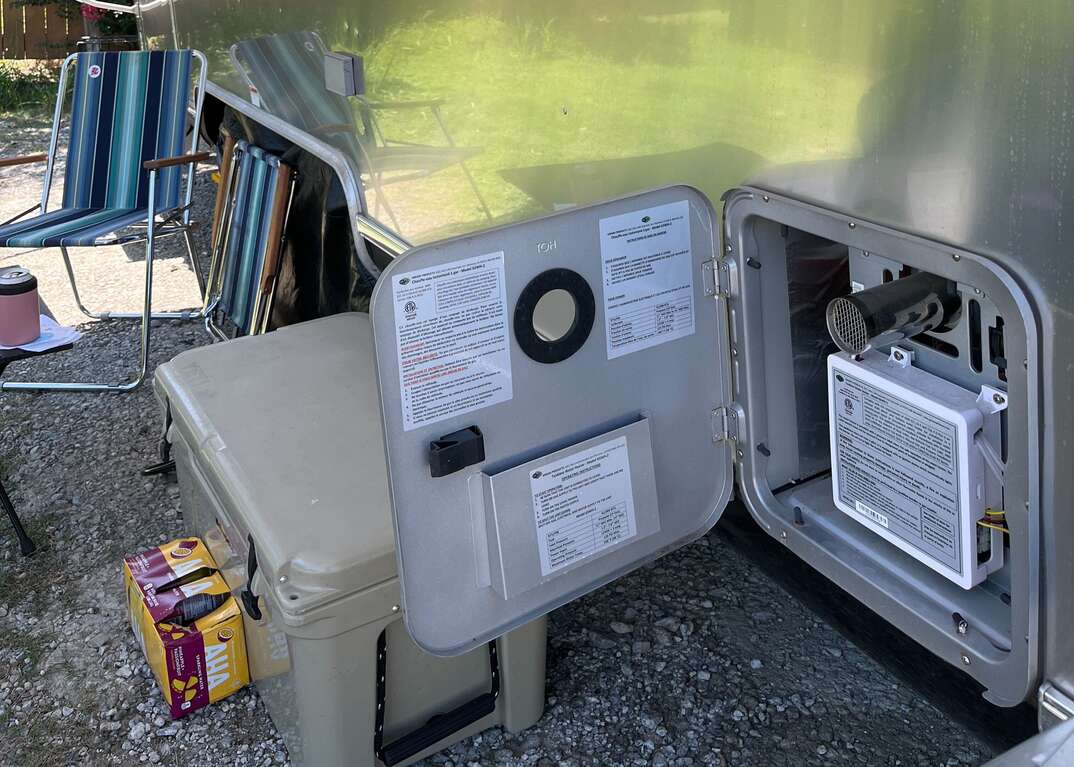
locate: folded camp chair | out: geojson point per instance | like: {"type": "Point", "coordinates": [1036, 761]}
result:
{"type": "Point", "coordinates": [125, 167]}
{"type": "Point", "coordinates": [252, 209]}
{"type": "Point", "coordinates": [285, 75]}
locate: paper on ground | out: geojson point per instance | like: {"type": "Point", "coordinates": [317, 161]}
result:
{"type": "Point", "coordinates": [52, 335]}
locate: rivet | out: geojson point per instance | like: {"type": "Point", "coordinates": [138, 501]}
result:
{"type": "Point", "coordinates": [956, 256]}
{"type": "Point", "coordinates": [866, 253]}
{"type": "Point", "coordinates": [965, 660]}
{"type": "Point", "coordinates": [395, 608]}
{"type": "Point", "coordinates": [283, 579]}
{"type": "Point", "coordinates": [764, 197]}
{"type": "Point", "coordinates": [734, 352]}
{"type": "Point", "coordinates": [963, 627]}
{"type": "Point", "coordinates": [852, 225]}
{"type": "Point", "coordinates": [783, 534]}
{"type": "Point", "coordinates": [977, 291]}
{"type": "Point", "coordinates": [740, 454]}
{"type": "Point", "coordinates": [728, 248]}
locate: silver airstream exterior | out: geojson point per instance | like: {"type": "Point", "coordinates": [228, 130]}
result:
{"type": "Point", "coordinates": [950, 125]}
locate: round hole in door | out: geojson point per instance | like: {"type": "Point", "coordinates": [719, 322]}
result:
{"type": "Point", "coordinates": [554, 315]}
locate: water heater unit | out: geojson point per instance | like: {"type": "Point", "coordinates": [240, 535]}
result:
{"type": "Point", "coordinates": [910, 462]}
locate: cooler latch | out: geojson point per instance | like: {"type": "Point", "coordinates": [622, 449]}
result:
{"type": "Point", "coordinates": [249, 599]}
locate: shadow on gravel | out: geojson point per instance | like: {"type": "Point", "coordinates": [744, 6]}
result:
{"type": "Point", "coordinates": [959, 696]}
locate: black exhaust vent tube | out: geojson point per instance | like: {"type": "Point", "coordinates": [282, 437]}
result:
{"type": "Point", "coordinates": [892, 312]}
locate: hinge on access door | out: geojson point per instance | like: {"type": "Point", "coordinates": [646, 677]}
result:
{"type": "Point", "coordinates": [716, 277]}
{"type": "Point", "coordinates": [725, 424]}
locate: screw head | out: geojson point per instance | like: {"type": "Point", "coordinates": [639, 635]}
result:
{"type": "Point", "coordinates": [283, 579]}
{"type": "Point", "coordinates": [963, 627]}
{"type": "Point", "coordinates": [956, 257]}
{"type": "Point", "coordinates": [395, 608]}
{"type": "Point", "coordinates": [852, 225]}
{"type": "Point", "coordinates": [898, 355]}
{"type": "Point", "coordinates": [998, 399]}
{"type": "Point", "coordinates": [783, 534]}
{"type": "Point", "coordinates": [965, 660]}
{"type": "Point", "coordinates": [764, 197]}
{"type": "Point", "coordinates": [740, 454]}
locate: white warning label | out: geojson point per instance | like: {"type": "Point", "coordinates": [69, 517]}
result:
{"type": "Point", "coordinates": [898, 467]}
{"type": "Point", "coordinates": [453, 346]}
{"type": "Point", "coordinates": [648, 277]}
{"type": "Point", "coordinates": [583, 504]}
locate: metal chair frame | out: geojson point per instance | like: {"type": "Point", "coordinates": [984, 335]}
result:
{"type": "Point", "coordinates": [173, 222]}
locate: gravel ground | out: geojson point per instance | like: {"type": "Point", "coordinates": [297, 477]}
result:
{"type": "Point", "coordinates": [698, 659]}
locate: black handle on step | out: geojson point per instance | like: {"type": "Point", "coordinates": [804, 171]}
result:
{"type": "Point", "coordinates": [440, 726]}
{"type": "Point", "coordinates": [249, 599]}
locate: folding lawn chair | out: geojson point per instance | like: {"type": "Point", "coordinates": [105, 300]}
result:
{"type": "Point", "coordinates": [125, 167]}
{"type": "Point", "coordinates": [252, 208]}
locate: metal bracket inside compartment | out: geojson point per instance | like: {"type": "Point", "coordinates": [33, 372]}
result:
{"type": "Point", "coordinates": [1053, 706]}
{"type": "Point", "coordinates": [992, 400]}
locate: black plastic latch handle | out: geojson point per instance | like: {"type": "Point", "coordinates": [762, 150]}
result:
{"type": "Point", "coordinates": [455, 451]}
{"type": "Point", "coordinates": [249, 599]}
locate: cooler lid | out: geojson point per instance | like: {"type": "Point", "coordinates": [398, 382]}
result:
{"type": "Point", "coordinates": [285, 427]}
{"type": "Point", "coordinates": [535, 455]}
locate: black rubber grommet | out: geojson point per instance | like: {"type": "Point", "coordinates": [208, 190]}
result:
{"type": "Point", "coordinates": [535, 347]}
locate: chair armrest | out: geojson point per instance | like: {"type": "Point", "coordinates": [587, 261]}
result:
{"type": "Point", "coordinates": [185, 159]}
{"type": "Point", "coordinates": [24, 160]}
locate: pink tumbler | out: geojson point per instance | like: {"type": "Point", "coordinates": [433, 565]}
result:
{"type": "Point", "coordinates": [20, 319]}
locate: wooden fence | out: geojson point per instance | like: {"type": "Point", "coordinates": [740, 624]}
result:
{"type": "Point", "coordinates": [37, 31]}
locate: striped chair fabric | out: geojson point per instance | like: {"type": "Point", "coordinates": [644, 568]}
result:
{"type": "Point", "coordinates": [128, 107]}
{"type": "Point", "coordinates": [252, 244]}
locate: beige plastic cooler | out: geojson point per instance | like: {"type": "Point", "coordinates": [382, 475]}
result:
{"type": "Point", "coordinates": [280, 457]}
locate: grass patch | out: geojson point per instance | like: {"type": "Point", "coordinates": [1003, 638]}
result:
{"type": "Point", "coordinates": [27, 86]}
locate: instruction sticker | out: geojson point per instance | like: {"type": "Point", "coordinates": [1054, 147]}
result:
{"type": "Point", "coordinates": [452, 340]}
{"type": "Point", "coordinates": [898, 466]}
{"type": "Point", "coordinates": [583, 504]}
{"type": "Point", "coordinates": [648, 278]}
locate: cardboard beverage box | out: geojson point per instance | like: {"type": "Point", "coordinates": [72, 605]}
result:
{"type": "Point", "coordinates": [196, 660]}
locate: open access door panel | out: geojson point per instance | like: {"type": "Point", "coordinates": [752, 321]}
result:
{"type": "Point", "coordinates": [534, 457]}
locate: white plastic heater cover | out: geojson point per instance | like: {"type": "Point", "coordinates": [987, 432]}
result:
{"type": "Point", "coordinates": [907, 462]}
{"type": "Point", "coordinates": [599, 449]}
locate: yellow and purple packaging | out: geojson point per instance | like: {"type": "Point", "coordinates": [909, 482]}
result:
{"type": "Point", "coordinates": [196, 661]}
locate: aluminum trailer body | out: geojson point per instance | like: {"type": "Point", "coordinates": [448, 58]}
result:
{"type": "Point", "coordinates": [948, 122]}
